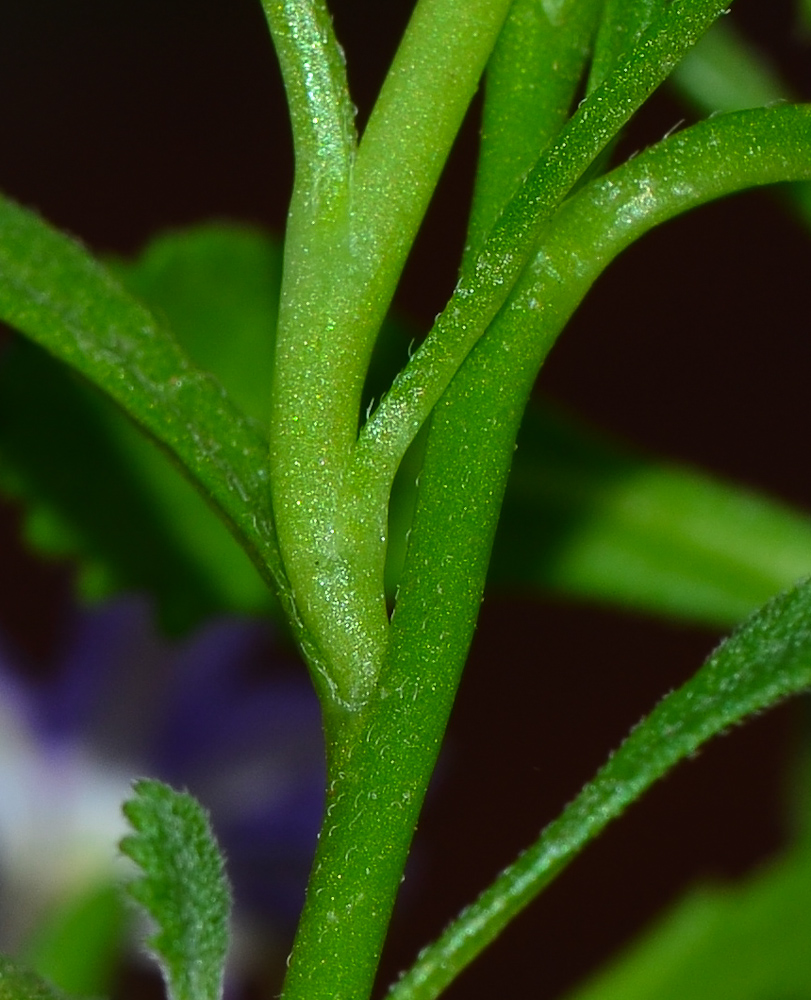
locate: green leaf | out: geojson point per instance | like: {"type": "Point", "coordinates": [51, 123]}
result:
{"type": "Point", "coordinates": [422, 104]}
{"type": "Point", "coordinates": [52, 290]}
{"type": "Point", "coordinates": [471, 444]}
{"type": "Point", "coordinates": [55, 293]}
{"type": "Point", "coordinates": [488, 280]}
{"type": "Point", "coordinates": [748, 941]}
{"type": "Point", "coordinates": [76, 947]}
{"type": "Point", "coordinates": [726, 72]}
{"type": "Point", "coordinates": [587, 518]}
{"type": "Point", "coordinates": [768, 659]}
{"type": "Point", "coordinates": [19, 983]}
{"type": "Point", "coordinates": [321, 112]}
{"type": "Point", "coordinates": [217, 285]}
{"type": "Point", "coordinates": [349, 232]}
{"type": "Point", "coordinates": [473, 430]}
{"type": "Point", "coordinates": [82, 469]}
{"type": "Point", "coordinates": [183, 888]}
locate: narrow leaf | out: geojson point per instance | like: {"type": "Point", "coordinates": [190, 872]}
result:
{"type": "Point", "coordinates": [183, 888]}
{"type": "Point", "coordinates": [727, 72]}
{"type": "Point", "coordinates": [81, 469]}
{"type": "Point", "coordinates": [55, 293]}
{"type": "Point", "coordinates": [321, 112]}
{"type": "Point", "coordinates": [488, 280]}
{"type": "Point", "coordinates": [414, 123]}
{"type": "Point", "coordinates": [470, 447]}
{"type": "Point", "coordinates": [768, 659]}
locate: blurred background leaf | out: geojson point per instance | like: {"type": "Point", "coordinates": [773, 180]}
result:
{"type": "Point", "coordinates": [727, 71]}
{"type": "Point", "coordinates": [741, 942]}
{"type": "Point", "coordinates": [17, 982]}
{"type": "Point", "coordinates": [84, 471]}
{"type": "Point", "coordinates": [77, 946]}
{"type": "Point", "coordinates": [218, 287]}
{"type": "Point", "coordinates": [591, 519]}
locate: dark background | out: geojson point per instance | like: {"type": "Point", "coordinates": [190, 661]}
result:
{"type": "Point", "coordinates": [118, 120]}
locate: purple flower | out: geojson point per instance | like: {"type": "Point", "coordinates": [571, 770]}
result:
{"type": "Point", "coordinates": [222, 713]}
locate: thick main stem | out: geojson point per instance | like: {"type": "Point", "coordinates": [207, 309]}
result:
{"type": "Point", "coordinates": [333, 559]}
{"type": "Point", "coordinates": [352, 222]}
{"type": "Point", "coordinates": [375, 792]}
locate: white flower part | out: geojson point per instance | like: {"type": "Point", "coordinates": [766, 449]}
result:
{"type": "Point", "coordinates": [60, 819]}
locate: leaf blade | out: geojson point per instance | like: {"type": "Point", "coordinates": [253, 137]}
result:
{"type": "Point", "coordinates": [530, 84]}
{"type": "Point", "coordinates": [747, 940]}
{"type": "Point", "coordinates": [488, 279]}
{"type": "Point", "coordinates": [766, 660]}
{"type": "Point", "coordinates": [183, 888]}
{"type": "Point", "coordinates": [52, 290]}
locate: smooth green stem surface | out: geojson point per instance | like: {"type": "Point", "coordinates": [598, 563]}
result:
{"type": "Point", "coordinates": [488, 280]}
{"type": "Point", "coordinates": [317, 376]}
{"type": "Point", "coordinates": [321, 113]}
{"type": "Point", "coordinates": [379, 780]}
{"type": "Point", "coordinates": [727, 72]}
{"type": "Point", "coordinates": [416, 118]}
{"type": "Point", "coordinates": [473, 429]}
{"type": "Point", "coordinates": [622, 25]}
{"type": "Point", "coordinates": [319, 373]}
{"type": "Point", "coordinates": [376, 787]}
{"type": "Point", "coordinates": [351, 223]}
{"type": "Point", "coordinates": [530, 86]}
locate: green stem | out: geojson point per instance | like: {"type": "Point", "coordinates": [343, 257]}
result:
{"type": "Point", "coordinates": [414, 123]}
{"type": "Point", "coordinates": [350, 227]}
{"type": "Point", "coordinates": [375, 792]}
{"type": "Point", "coordinates": [488, 280]}
{"type": "Point", "coordinates": [531, 81]}
{"type": "Point", "coordinates": [378, 781]}
{"type": "Point", "coordinates": [622, 25]}
{"type": "Point", "coordinates": [321, 113]}
{"type": "Point", "coordinates": [318, 377]}
{"type": "Point", "coordinates": [379, 774]}
{"type": "Point", "coordinates": [473, 429]}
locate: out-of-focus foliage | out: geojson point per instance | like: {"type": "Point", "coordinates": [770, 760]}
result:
{"type": "Point", "coordinates": [747, 941]}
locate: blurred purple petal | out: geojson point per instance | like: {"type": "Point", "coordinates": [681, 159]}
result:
{"type": "Point", "coordinates": [222, 713]}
